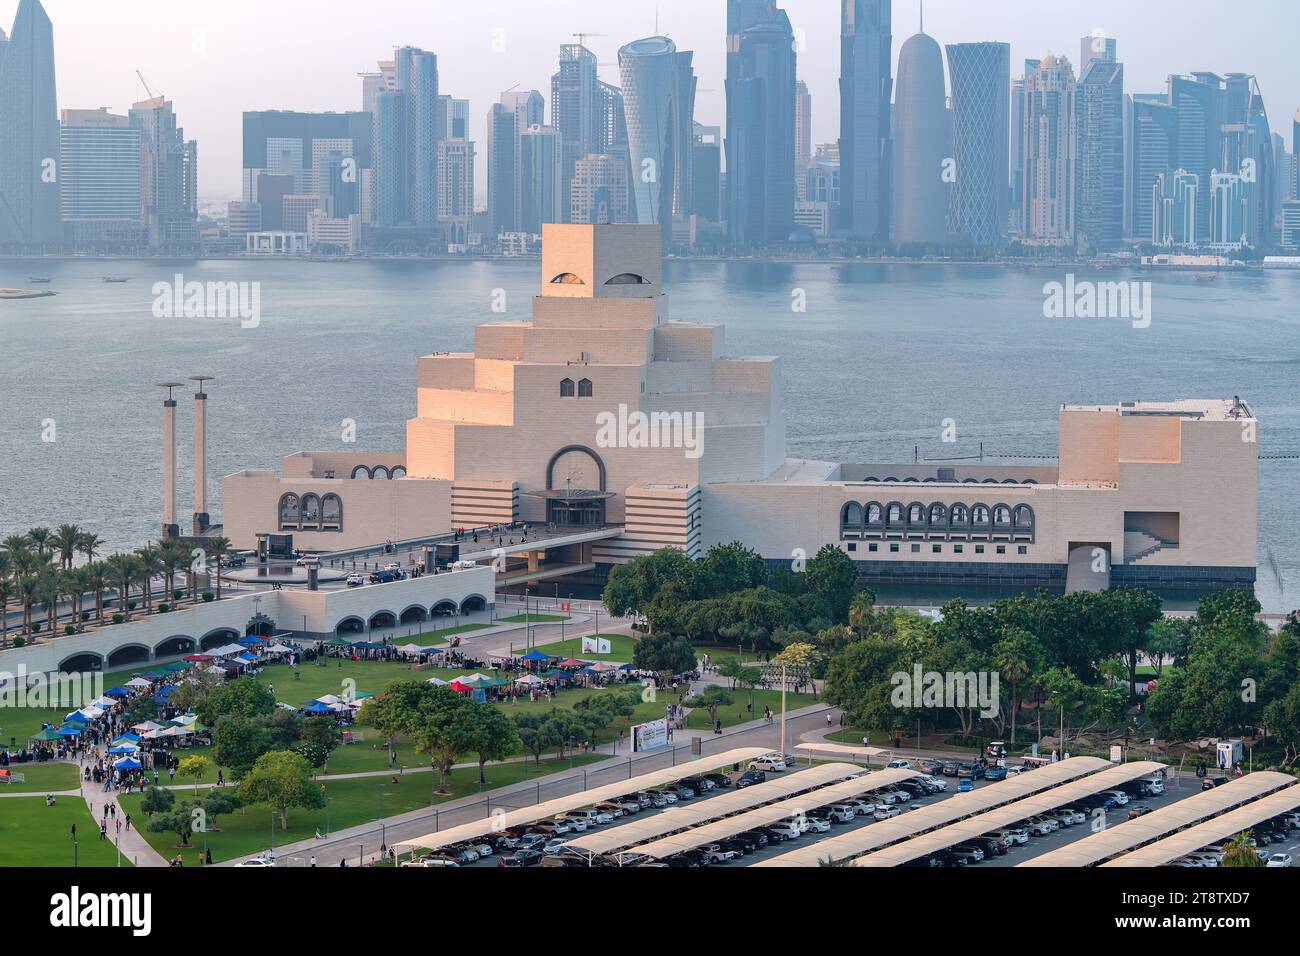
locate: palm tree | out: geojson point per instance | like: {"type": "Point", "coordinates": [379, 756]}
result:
{"type": "Point", "coordinates": [173, 556]}
{"type": "Point", "coordinates": [79, 582]}
{"type": "Point", "coordinates": [49, 589]}
{"type": "Point", "coordinates": [88, 544]}
{"type": "Point", "coordinates": [98, 576]}
{"type": "Point", "coordinates": [1241, 853]}
{"type": "Point", "coordinates": [28, 593]}
{"type": "Point", "coordinates": [123, 569]}
{"type": "Point", "coordinates": [218, 548]}
{"type": "Point", "coordinates": [16, 545]}
{"type": "Point", "coordinates": [151, 566]}
{"type": "Point", "coordinates": [40, 539]}
{"type": "Point", "coordinates": [6, 583]}
{"type": "Point", "coordinates": [64, 541]}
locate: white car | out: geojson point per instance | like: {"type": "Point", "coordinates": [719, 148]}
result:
{"type": "Point", "coordinates": [787, 829]}
{"type": "Point", "coordinates": [767, 764]}
{"type": "Point", "coordinates": [1119, 796]}
{"type": "Point", "coordinates": [482, 849]}
{"type": "Point", "coordinates": [599, 818]}
{"type": "Point", "coordinates": [356, 580]}
{"type": "Point", "coordinates": [898, 763]}
{"type": "Point", "coordinates": [713, 853]}
{"type": "Point", "coordinates": [939, 783]}
{"type": "Point", "coordinates": [843, 812]}
{"type": "Point", "coordinates": [257, 861]}
{"type": "Point", "coordinates": [898, 793]}
{"type": "Point", "coordinates": [884, 796]}
{"type": "Point", "coordinates": [1067, 818]}
{"type": "Point", "coordinates": [1278, 860]}
{"type": "Point", "coordinates": [551, 847]}
{"type": "Point", "coordinates": [1205, 859]}
{"type": "Point", "coordinates": [1015, 771]}
{"type": "Point", "coordinates": [1041, 826]}
{"type": "Point", "coordinates": [818, 824]}
{"type": "Point", "coordinates": [860, 807]}
{"type": "Point", "coordinates": [884, 813]}
{"type": "Point", "coordinates": [1012, 836]}
{"type": "Point", "coordinates": [1155, 786]}
{"type": "Point", "coordinates": [577, 824]}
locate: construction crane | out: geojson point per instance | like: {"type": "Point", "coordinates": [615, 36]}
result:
{"type": "Point", "coordinates": [145, 84]}
{"type": "Point", "coordinates": [582, 37]}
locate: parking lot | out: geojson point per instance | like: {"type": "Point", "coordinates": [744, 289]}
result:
{"type": "Point", "coordinates": [1037, 845]}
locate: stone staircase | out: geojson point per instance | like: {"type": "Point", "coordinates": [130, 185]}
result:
{"type": "Point", "coordinates": [1141, 544]}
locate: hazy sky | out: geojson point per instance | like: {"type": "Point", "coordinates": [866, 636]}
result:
{"type": "Point", "coordinates": [216, 59]}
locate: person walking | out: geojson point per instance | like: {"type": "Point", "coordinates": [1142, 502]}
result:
{"type": "Point", "coordinates": [313, 861]}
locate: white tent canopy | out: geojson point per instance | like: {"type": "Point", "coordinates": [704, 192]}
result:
{"type": "Point", "coordinates": [139, 683]}
{"type": "Point", "coordinates": [437, 682]}
{"type": "Point", "coordinates": [229, 650]}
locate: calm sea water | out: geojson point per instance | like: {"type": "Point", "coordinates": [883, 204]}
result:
{"type": "Point", "coordinates": [881, 356]}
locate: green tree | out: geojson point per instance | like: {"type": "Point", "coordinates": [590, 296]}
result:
{"type": "Point", "coordinates": [245, 697]}
{"type": "Point", "coordinates": [663, 653]}
{"type": "Point", "coordinates": [179, 819]}
{"type": "Point", "coordinates": [833, 576]}
{"type": "Point", "coordinates": [1019, 656]}
{"type": "Point", "coordinates": [157, 800]}
{"type": "Point", "coordinates": [488, 733]}
{"type": "Point", "coordinates": [282, 780]}
{"type": "Point", "coordinates": [711, 698]}
{"type": "Point", "coordinates": [425, 713]}
{"type": "Point", "coordinates": [238, 742]}
{"type": "Point", "coordinates": [537, 732]}
{"type": "Point", "coordinates": [196, 767]}
{"type": "Point", "coordinates": [1240, 853]}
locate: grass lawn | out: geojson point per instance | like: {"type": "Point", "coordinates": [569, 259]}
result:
{"type": "Point", "coordinates": [878, 738]}
{"type": "Point", "coordinates": [620, 647]}
{"type": "Point", "coordinates": [351, 803]}
{"type": "Point", "coordinates": [33, 834]}
{"type": "Point", "coordinates": [42, 778]}
{"type": "Point", "coordinates": [533, 619]}
{"type": "Point", "coordinates": [718, 654]}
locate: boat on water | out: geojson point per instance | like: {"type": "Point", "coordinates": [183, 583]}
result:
{"type": "Point", "coordinates": [39, 280]}
{"type": "Point", "coordinates": [115, 279]}
{"type": "Point", "coordinates": [25, 293]}
{"type": "Point", "coordinates": [1206, 277]}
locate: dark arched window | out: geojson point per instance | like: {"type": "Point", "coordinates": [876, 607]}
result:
{"type": "Point", "coordinates": [979, 517]}
{"type": "Point", "coordinates": [916, 515]}
{"type": "Point", "coordinates": [399, 471]}
{"type": "Point", "coordinates": [361, 471]}
{"type": "Point", "coordinates": [584, 388]}
{"type": "Point", "coordinates": [567, 278]}
{"type": "Point", "coordinates": [875, 515]}
{"type": "Point", "coordinates": [1023, 518]}
{"type": "Point", "coordinates": [381, 472]}
{"type": "Point", "coordinates": [958, 516]}
{"type": "Point", "coordinates": [566, 388]}
{"type": "Point", "coordinates": [290, 512]}
{"type": "Point", "coordinates": [331, 513]}
{"type": "Point", "coordinates": [938, 515]}
{"type": "Point", "coordinates": [627, 278]}
{"type": "Point", "coordinates": [894, 516]}
{"type": "Point", "coordinates": [851, 517]}
{"type": "Point", "coordinates": [1001, 518]}
{"type": "Point", "coordinates": [310, 513]}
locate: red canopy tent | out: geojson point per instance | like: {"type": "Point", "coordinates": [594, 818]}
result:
{"type": "Point", "coordinates": [460, 688]}
{"type": "Point", "coordinates": [199, 658]}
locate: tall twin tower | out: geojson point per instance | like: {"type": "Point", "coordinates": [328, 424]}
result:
{"type": "Point", "coordinates": [949, 157]}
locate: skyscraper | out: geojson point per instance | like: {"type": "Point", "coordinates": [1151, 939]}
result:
{"type": "Point", "coordinates": [980, 74]}
{"type": "Point", "coordinates": [29, 133]}
{"type": "Point", "coordinates": [647, 69]}
{"type": "Point", "coordinates": [760, 123]}
{"type": "Point", "coordinates": [866, 86]}
{"type": "Point", "coordinates": [707, 162]}
{"type": "Point", "coordinates": [1200, 118]}
{"type": "Point", "coordinates": [600, 191]}
{"type": "Point", "coordinates": [99, 186]}
{"type": "Point", "coordinates": [1048, 208]}
{"type": "Point", "coordinates": [539, 176]}
{"type": "Point", "coordinates": [683, 132]}
{"type": "Point", "coordinates": [1230, 210]}
{"type": "Point", "coordinates": [1100, 113]}
{"type": "Point", "coordinates": [1295, 156]}
{"type": "Point", "coordinates": [802, 136]}
{"type": "Point", "coordinates": [921, 130]}
{"type": "Point", "coordinates": [502, 171]}
{"type": "Point", "coordinates": [408, 127]}
{"type": "Point", "coordinates": [529, 107]}
{"type": "Point", "coordinates": [576, 110]}
{"type": "Point", "coordinates": [1155, 154]}
{"type": "Point", "coordinates": [1017, 146]}
{"type": "Point", "coordinates": [169, 174]}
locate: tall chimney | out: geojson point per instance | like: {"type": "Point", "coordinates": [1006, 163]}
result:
{"type": "Point", "coordinates": [201, 519]}
{"type": "Point", "coordinates": [170, 529]}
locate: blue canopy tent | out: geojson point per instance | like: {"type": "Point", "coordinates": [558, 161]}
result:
{"type": "Point", "coordinates": [133, 738]}
{"type": "Point", "coordinates": [117, 692]}
{"type": "Point", "coordinates": [69, 731]}
{"type": "Point", "coordinates": [247, 658]}
{"type": "Point", "coordinates": [249, 641]}
{"type": "Point", "coordinates": [166, 691]}
{"type": "Point", "coordinates": [316, 707]}
{"type": "Point", "coordinates": [535, 656]}
{"type": "Point", "coordinates": [123, 749]}
{"type": "Point", "coordinates": [128, 763]}
{"type": "Point", "coordinates": [76, 717]}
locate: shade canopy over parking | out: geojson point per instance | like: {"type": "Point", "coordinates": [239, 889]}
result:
{"type": "Point", "coordinates": [958, 807]}
{"type": "Point", "coordinates": [1211, 831]}
{"type": "Point", "coordinates": [842, 750]}
{"type": "Point", "coordinates": [685, 816]}
{"type": "Point", "coordinates": [1133, 834]}
{"type": "Point", "coordinates": [1054, 799]}
{"type": "Point", "coordinates": [860, 786]}
{"type": "Point", "coordinates": [583, 798]}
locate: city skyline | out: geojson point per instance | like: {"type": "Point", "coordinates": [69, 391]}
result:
{"type": "Point", "coordinates": [196, 75]}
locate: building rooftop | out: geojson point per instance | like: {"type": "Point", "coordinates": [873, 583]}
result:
{"type": "Point", "coordinates": [1214, 410]}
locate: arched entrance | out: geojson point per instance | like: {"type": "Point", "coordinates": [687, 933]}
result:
{"type": "Point", "coordinates": [87, 661]}
{"type": "Point", "coordinates": [175, 647]}
{"type": "Point", "coordinates": [130, 654]}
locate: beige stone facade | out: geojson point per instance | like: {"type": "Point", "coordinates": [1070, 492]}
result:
{"type": "Point", "coordinates": [601, 410]}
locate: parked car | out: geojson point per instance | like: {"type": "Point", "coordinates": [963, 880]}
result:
{"type": "Point", "coordinates": [1209, 783]}
{"type": "Point", "coordinates": [575, 822]}
{"type": "Point", "coordinates": [951, 768]}
{"type": "Point", "coordinates": [682, 791]}
{"type": "Point", "coordinates": [767, 764]}
{"type": "Point", "coordinates": [719, 780]}
{"type": "Point", "coordinates": [750, 777]}
{"type": "Point", "coordinates": [899, 763]}
{"type": "Point", "coordinates": [614, 809]}
{"type": "Point", "coordinates": [885, 813]}
{"type": "Point", "coordinates": [1119, 796]}
{"type": "Point", "coordinates": [967, 855]}
{"type": "Point", "coordinates": [995, 773]}
{"type": "Point", "coordinates": [1278, 860]}
{"type": "Point", "coordinates": [842, 812]}
{"type": "Point", "coordinates": [940, 785]}
{"type": "Point", "coordinates": [356, 580]}
{"type": "Point", "coordinates": [818, 824]}
{"type": "Point", "coordinates": [787, 828]}
{"type": "Point", "coordinates": [965, 785]}
{"type": "Point", "coordinates": [521, 858]}
{"type": "Point", "coordinates": [1011, 836]}
{"type": "Point", "coordinates": [715, 853]}
{"type": "Point", "coordinates": [1041, 826]}
{"type": "Point", "coordinates": [1070, 816]}
{"type": "Point", "coordinates": [972, 770]}
{"type": "Point", "coordinates": [898, 793]}
{"type": "Point", "coordinates": [438, 861]}
{"type": "Point", "coordinates": [862, 807]}
{"type": "Point", "coordinates": [931, 766]}
{"type": "Point", "coordinates": [691, 859]}
{"type": "Point", "coordinates": [1138, 812]}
